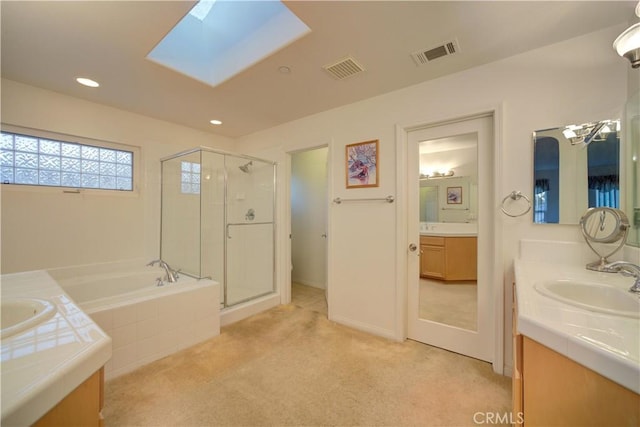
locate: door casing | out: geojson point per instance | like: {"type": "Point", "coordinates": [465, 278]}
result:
{"type": "Point", "coordinates": [403, 238]}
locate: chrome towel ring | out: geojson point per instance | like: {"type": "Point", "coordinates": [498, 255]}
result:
{"type": "Point", "coordinates": [515, 195]}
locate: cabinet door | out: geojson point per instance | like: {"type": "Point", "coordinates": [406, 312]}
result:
{"type": "Point", "coordinates": [517, 394]}
{"type": "Point", "coordinates": [432, 261]}
{"type": "Point", "coordinates": [560, 392]}
{"type": "Point", "coordinates": [81, 407]}
{"type": "Point", "coordinates": [461, 259]}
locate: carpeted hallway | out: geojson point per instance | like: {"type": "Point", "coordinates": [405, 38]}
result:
{"type": "Point", "coordinates": [290, 366]}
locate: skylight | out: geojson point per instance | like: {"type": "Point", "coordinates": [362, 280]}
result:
{"type": "Point", "coordinates": [218, 39]}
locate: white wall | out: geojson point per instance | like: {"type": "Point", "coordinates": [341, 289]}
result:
{"type": "Point", "coordinates": [309, 217]}
{"type": "Point", "coordinates": [574, 81]}
{"type": "Point", "coordinates": [45, 228]}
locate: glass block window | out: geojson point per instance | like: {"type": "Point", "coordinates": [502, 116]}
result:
{"type": "Point", "coordinates": [190, 178]}
{"type": "Point", "coordinates": [33, 160]}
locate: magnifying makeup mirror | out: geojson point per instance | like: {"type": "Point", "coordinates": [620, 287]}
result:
{"type": "Point", "coordinates": [605, 231]}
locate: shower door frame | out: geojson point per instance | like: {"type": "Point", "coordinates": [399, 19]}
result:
{"type": "Point", "coordinates": [274, 222]}
{"type": "Point", "coordinates": [227, 224]}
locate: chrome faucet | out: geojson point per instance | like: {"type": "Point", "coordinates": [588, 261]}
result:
{"type": "Point", "coordinates": [172, 275]}
{"type": "Point", "coordinates": [626, 269]}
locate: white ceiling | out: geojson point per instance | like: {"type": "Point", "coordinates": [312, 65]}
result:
{"type": "Point", "coordinates": [47, 44]}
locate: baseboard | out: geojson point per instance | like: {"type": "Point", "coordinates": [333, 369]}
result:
{"type": "Point", "coordinates": [309, 283]}
{"type": "Point", "coordinates": [374, 330]}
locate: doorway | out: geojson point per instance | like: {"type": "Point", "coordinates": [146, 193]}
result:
{"type": "Point", "coordinates": [452, 246]}
{"type": "Point", "coordinates": [309, 229]}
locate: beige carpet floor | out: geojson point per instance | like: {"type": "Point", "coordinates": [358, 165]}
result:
{"type": "Point", "coordinates": [290, 366]}
{"type": "Point", "coordinates": [451, 303]}
{"type": "Point", "coordinates": [309, 297]}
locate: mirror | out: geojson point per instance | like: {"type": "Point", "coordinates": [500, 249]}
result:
{"type": "Point", "coordinates": [602, 226]}
{"type": "Point", "coordinates": [448, 230]}
{"type": "Point", "coordinates": [576, 167]}
{"type": "Point", "coordinates": [448, 183]}
{"type": "Point", "coordinates": [632, 162]}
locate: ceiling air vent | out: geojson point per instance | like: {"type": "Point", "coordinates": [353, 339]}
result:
{"type": "Point", "coordinates": [344, 68]}
{"type": "Point", "coordinates": [424, 56]}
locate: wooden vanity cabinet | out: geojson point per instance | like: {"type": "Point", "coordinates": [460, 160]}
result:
{"type": "Point", "coordinates": [549, 389]}
{"type": "Point", "coordinates": [432, 257]}
{"type": "Point", "coordinates": [448, 258]}
{"type": "Point", "coordinates": [516, 378]}
{"type": "Point", "coordinates": [81, 407]}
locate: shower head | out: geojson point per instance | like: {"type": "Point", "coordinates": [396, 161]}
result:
{"type": "Point", "coordinates": [245, 168]}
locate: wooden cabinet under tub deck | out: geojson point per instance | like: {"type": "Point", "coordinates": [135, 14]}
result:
{"type": "Point", "coordinates": [449, 258]}
{"type": "Point", "coordinates": [82, 407]}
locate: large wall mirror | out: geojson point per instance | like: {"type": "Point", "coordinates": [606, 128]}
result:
{"type": "Point", "coordinates": [632, 164]}
{"type": "Point", "coordinates": [448, 230]}
{"type": "Point", "coordinates": [576, 167]}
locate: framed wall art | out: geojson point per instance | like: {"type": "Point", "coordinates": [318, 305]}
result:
{"type": "Point", "coordinates": [362, 168]}
{"type": "Point", "coordinates": [454, 195]}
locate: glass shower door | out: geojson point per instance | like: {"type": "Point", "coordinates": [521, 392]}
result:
{"type": "Point", "coordinates": [249, 229]}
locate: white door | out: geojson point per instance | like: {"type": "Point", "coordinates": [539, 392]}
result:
{"type": "Point", "coordinates": [444, 313]}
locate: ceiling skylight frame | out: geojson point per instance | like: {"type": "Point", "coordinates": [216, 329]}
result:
{"type": "Point", "coordinates": [196, 46]}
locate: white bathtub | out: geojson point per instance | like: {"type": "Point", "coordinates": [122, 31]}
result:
{"type": "Point", "coordinates": [146, 322]}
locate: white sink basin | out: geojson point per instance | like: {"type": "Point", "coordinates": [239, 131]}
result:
{"type": "Point", "coordinates": [592, 296]}
{"type": "Point", "coordinates": [20, 314]}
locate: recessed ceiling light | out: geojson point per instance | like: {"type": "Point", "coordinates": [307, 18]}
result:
{"type": "Point", "coordinates": [87, 82]}
{"type": "Point", "coordinates": [284, 69]}
{"type": "Point", "coordinates": [215, 122]}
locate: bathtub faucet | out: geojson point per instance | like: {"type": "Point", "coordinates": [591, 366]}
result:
{"type": "Point", "coordinates": [172, 275]}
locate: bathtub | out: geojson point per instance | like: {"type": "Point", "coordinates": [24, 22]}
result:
{"type": "Point", "coordinates": [146, 322]}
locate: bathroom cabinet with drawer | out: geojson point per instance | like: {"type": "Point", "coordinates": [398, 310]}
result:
{"type": "Point", "coordinates": [448, 258]}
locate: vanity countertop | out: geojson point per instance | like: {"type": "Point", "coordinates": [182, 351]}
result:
{"type": "Point", "coordinates": [449, 229]}
{"type": "Point", "coordinates": [41, 365]}
{"type": "Point", "coordinates": [607, 344]}
{"type": "Point", "coordinates": [451, 233]}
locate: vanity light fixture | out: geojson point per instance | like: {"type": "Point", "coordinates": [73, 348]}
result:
{"type": "Point", "coordinates": [588, 132]}
{"type": "Point", "coordinates": [437, 174]}
{"type": "Point", "coordinates": [628, 43]}
{"type": "Point", "coordinates": [87, 82]}
{"type": "Point", "coordinates": [215, 122]}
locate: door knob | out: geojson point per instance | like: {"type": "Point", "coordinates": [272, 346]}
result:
{"type": "Point", "coordinates": [413, 247]}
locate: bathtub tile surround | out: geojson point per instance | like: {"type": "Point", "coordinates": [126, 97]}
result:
{"type": "Point", "coordinates": [146, 322]}
{"type": "Point", "coordinates": [43, 364]}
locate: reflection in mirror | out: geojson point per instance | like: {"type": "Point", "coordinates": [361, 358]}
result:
{"type": "Point", "coordinates": [576, 167]}
{"type": "Point", "coordinates": [632, 162]}
{"type": "Point", "coordinates": [448, 230]}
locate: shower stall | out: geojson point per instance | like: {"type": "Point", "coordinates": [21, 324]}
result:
{"type": "Point", "coordinates": [218, 221]}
